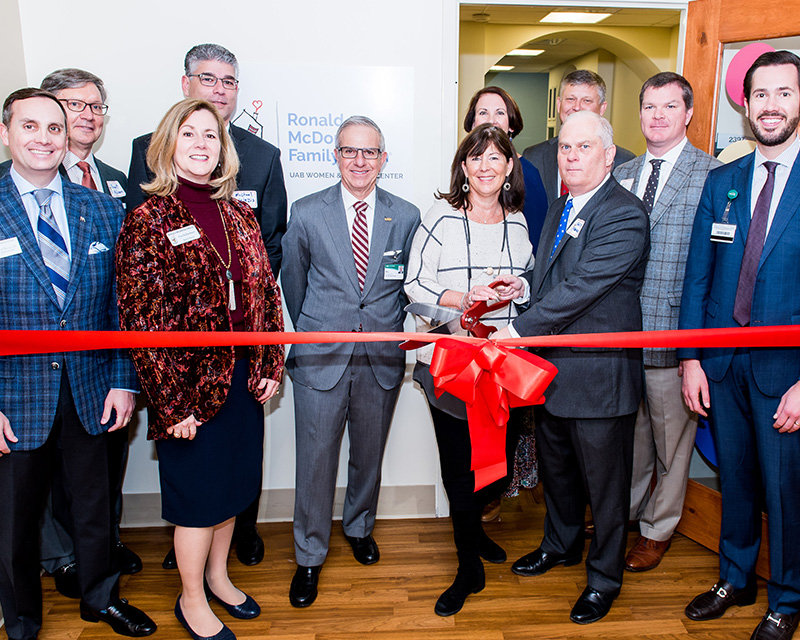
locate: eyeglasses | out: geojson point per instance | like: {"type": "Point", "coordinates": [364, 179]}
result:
{"type": "Point", "coordinates": [210, 80]}
{"type": "Point", "coordinates": [77, 106]}
{"type": "Point", "coordinates": [371, 153]}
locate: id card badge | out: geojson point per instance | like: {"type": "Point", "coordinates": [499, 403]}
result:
{"type": "Point", "coordinates": [183, 235]}
{"type": "Point", "coordinates": [394, 271]}
{"type": "Point", "coordinates": [248, 197]}
{"type": "Point", "coordinates": [9, 247]}
{"type": "Point", "coordinates": [576, 227]}
{"type": "Point", "coordinates": [115, 189]}
{"type": "Point", "coordinates": [721, 232]}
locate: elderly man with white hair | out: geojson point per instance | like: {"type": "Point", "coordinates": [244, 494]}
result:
{"type": "Point", "coordinates": [587, 279]}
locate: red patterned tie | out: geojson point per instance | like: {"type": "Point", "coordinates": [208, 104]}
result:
{"type": "Point", "coordinates": [87, 180]}
{"type": "Point", "coordinates": [564, 189]}
{"type": "Point", "coordinates": [360, 242]}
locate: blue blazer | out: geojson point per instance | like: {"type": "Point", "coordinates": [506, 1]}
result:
{"type": "Point", "coordinates": [712, 274]}
{"type": "Point", "coordinates": [29, 385]}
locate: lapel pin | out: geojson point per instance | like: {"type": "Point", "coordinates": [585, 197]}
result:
{"type": "Point", "coordinates": [387, 219]}
{"type": "Point", "coordinates": [82, 219]}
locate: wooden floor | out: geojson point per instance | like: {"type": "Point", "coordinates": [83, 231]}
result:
{"type": "Point", "coordinates": [393, 599]}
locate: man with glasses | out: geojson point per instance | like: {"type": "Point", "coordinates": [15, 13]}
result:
{"type": "Point", "coordinates": [345, 253]}
{"type": "Point", "coordinates": [83, 96]}
{"type": "Point", "coordinates": [211, 73]}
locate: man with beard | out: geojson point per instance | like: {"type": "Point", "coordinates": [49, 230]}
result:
{"type": "Point", "coordinates": [743, 270]}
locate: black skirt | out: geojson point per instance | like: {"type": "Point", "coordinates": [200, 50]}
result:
{"type": "Point", "coordinates": [215, 476]}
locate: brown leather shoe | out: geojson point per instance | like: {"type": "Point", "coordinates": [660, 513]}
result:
{"type": "Point", "coordinates": [491, 511]}
{"type": "Point", "coordinates": [646, 554]}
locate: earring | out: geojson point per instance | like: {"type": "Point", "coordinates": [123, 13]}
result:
{"type": "Point", "coordinates": [465, 186]}
{"type": "Point", "coordinates": [506, 186]}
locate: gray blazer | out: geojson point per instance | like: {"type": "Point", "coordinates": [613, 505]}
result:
{"type": "Point", "coordinates": [670, 231]}
{"type": "Point", "coordinates": [321, 292]}
{"type": "Point", "coordinates": [544, 156]}
{"type": "Point", "coordinates": [591, 285]}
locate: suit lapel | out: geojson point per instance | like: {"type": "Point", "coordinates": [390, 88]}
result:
{"type": "Point", "coordinates": [15, 219]}
{"type": "Point", "coordinates": [381, 225]}
{"type": "Point", "coordinates": [740, 207]}
{"type": "Point", "coordinates": [239, 142]}
{"type": "Point", "coordinates": [548, 236]}
{"type": "Point", "coordinates": [678, 177]}
{"type": "Point", "coordinates": [79, 219]}
{"type": "Point", "coordinates": [336, 221]}
{"type": "Point", "coordinates": [787, 208]}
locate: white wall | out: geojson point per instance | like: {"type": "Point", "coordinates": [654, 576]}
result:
{"type": "Point", "coordinates": [138, 48]}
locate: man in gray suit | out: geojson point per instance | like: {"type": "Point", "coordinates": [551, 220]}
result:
{"type": "Point", "coordinates": [669, 179]}
{"type": "Point", "coordinates": [580, 90]}
{"type": "Point", "coordinates": [344, 256]}
{"type": "Point", "coordinates": [587, 279]}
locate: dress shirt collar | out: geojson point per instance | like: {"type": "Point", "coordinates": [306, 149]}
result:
{"type": "Point", "coordinates": [786, 158]}
{"type": "Point", "coordinates": [349, 200]}
{"type": "Point", "coordinates": [578, 202]}
{"type": "Point", "coordinates": [670, 157]}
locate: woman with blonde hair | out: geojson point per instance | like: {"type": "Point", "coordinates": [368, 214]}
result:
{"type": "Point", "coordinates": [191, 259]}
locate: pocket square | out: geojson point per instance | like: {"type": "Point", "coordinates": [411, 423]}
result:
{"type": "Point", "coordinates": [97, 247]}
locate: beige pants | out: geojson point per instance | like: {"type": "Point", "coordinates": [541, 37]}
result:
{"type": "Point", "coordinates": [663, 441]}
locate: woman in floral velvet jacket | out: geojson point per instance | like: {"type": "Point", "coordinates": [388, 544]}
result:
{"type": "Point", "coordinates": [192, 259]}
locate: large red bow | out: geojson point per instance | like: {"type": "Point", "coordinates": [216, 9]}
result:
{"type": "Point", "coordinates": [490, 379]}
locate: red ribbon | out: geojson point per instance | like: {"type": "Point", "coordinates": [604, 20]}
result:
{"type": "Point", "coordinates": [490, 379]}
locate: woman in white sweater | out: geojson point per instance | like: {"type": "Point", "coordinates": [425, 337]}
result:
{"type": "Point", "coordinates": [472, 234]}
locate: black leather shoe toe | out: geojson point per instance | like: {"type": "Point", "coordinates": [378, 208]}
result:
{"type": "Point", "coordinates": [66, 579]}
{"type": "Point", "coordinates": [469, 579]}
{"type": "Point", "coordinates": [127, 561]}
{"type": "Point", "coordinates": [170, 562]}
{"type": "Point", "coordinates": [776, 626]}
{"type": "Point", "coordinates": [223, 634]}
{"type": "Point", "coordinates": [365, 550]}
{"type": "Point", "coordinates": [245, 611]}
{"type": "Point", "coordinates": [711, 604]}
{"type": "Point", "coordinates": [592, 605]}
{"type": "Point", "coordinates": [303, 591]}
{"type": "Point", "coordinates": [538, 562]}
{"type": "Point", "coordinates": [123, 618]}
{"type": "Point", "coordinates": [249, 546]}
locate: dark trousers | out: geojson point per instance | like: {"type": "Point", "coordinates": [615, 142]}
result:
{"type": "Point", "coordinates": [753, 454]}
{"type": "Point", "coordinates": [455, 457]}
{"type": "Point", "coordinates": [587, 461]}
{"type": "Point", "coordinates": [81, 461]}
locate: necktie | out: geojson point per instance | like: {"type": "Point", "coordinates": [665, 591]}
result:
{"type": "Point", "coordinates": [649, 197]}
{"type": "Point", "coordinates": [756, 236]}
{"type": "Point", "coordinates": [562, 226]}
{"type": "Point", "coordinates": [360, 242]}
{"type": "Point", "coordinates": [87, 180]}
{"type": "Point", "coordinates": [52, 245]}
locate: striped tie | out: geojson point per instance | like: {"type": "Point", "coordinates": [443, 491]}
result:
{"type": "Point", "coordinates": [360, 242]}
{"type": "Point", "coordinates": [52, 245]}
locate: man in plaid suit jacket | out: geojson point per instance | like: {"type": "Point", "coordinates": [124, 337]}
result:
{"type": "Point", "coordinates": [57, 272]}
{"type": "Point", "coordinates": [665, 428]}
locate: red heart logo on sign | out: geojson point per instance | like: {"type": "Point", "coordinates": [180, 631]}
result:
{"type": "Point", "coordinates": [257, 105]}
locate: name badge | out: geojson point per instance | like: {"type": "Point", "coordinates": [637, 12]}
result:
{"type": "Point", "coordinates": [576, 227]}
{"type": "Point", "coordinates": [9, 247]}
{"type": "Point", "coordinates": [115, 189]}
{"type": "Point", "coordinates": [248, 197]}
{"type": "Point", "coordinates": [394, 271]}
{"type": "Point", "coordinates": [721, 232]}
{"type": "Point", "coordinates": [183, 235]}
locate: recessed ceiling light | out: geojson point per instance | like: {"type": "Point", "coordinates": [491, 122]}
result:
{"type": "Point", "coordinates": [574, 17]}
{"type": "Point", "coordinates": [525, 52]}
{"type": "Point", "coordinates": [500, 67]}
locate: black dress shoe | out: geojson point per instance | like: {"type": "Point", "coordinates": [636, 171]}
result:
{"type": "Point", "coordinates": [776, 626]}
{"type": "Point", "coordinates": [303, 591]}
{"type": "Point", "coordinates": [469, 579]}
{"type": "Point", "coordinates": [249, 546]}
{"type": "Point", "coordinates": [592, 605]}
{"type": "Point", "coordinates": [365, 550]}
{"type": "Point", "coordinates": [124, 618]}
{"type": "Point", "coordinates": [170, 562]}
{"type": "Point", "coordinates": [245, 611]}
{"type": "Point", "coordinates": [491, 551]}
{"type": "Point", "coordinates": [66, 579]}
{"type": "Point", "coordinates": [538, 562]}
{"type": "Point", "coordinates": [128, 562]}
{"type": "Point", "coordinates": [711, 604]}
{"type": "Point", "coordinates": [223, 634]}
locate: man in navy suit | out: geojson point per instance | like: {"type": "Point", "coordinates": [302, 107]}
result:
{"type": "Point", "coordinates": [57, 272]}
{"type": "Point", "coordinates": [210, 73]}
{"type": "Point", "coordinates": [743, 270]}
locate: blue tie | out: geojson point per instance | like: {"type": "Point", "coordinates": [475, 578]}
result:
{"type": "Point", "coordinates": [52, 245]}
{"type": "Point", "coordinates": [562, 226]}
